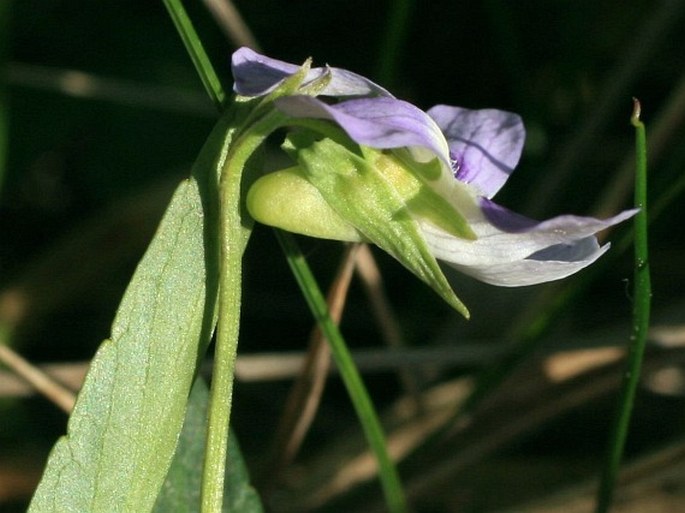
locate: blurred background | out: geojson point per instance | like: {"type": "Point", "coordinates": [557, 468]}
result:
{"type": "Point", "coordinates": [102, 114]}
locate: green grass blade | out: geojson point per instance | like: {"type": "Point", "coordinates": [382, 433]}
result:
{"type": "Point", "coordinates": [193, 44]}
{"type": "Point", "coordinates": [641, 310]}
{"type": "Point", "coordinates": [392, 488]}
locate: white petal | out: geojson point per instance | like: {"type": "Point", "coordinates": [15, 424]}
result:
{"type": "Point", "coordinates": [532, 271]}
{"type": "Point", "coordinates": [497, 246]}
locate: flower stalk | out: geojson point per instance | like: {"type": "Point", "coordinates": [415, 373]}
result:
{"type": "Point", "coordinates": [234, 233]}
{"type": "Point", "coordinates": [389, 477]}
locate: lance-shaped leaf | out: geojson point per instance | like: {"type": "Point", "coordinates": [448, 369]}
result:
{"type": "Point", "coordinates": [123, 431]}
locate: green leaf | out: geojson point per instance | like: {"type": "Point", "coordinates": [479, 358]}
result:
{"type": "Point", "coordinates": [241, 497]}
{"type": "Point", "coordinates": [363, 197]}
{"type": "Point", "coordinates": [123, 431]}
{"type": "Point", "coordinates": [181, 490]}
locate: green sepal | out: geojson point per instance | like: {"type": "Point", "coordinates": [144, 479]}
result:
{"type": "Point", "coordinates": [290, 85]}
{"type": "Point", "coordinates": [294, 84]}
{"type": "Point", "coordinates": [316, 86]}
{"type": "Point", "coordinates": [422, 200]}
{"type": "Point", "coordinates": [359, 192]}
{"type": "Point", "coordinates": [430, 171]}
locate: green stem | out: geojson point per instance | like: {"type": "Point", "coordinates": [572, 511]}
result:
{"type": "Point", "coordinates": [197, 53]}
{"type": "Point", "coordinates": [392, 488]}
{"type": "Point", "coordinates": [233, 237]}
{"type": "Point", "coordinates": [641, 309]}
{"type": "Point", "coordinates": [234, 232]}
{"type": "Point", "coordinates": [232, 247]}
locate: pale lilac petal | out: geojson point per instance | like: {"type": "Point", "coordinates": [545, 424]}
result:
{"type": "Point", "coordinates": [256, 75]}
{"type": "Point", "coordinates": [511, 249]}
{"type": "Point", "coordinates": [557, 230]}
{"type": "Point", "coordinates": [381, 123]}
{"type": "Point", "coordinates": [551, 264]}
{"type": "Point", "coordinates": [485, 145]}
{"type": "Point", "coordinates": [347, 84]}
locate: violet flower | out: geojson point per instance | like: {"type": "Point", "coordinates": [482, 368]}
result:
{"type": "Point", "coordinates": [462, 157]}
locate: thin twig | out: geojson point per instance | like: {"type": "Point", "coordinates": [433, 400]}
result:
{"type": "Point", "coordinates": [390, 328]}
{"type": "Point", "coordinates": [232, 23]}
{"type": "Point", "coordinates": [88, 86]}
{"type": "Point", "coordinates": [357, 392]}
{"type": "Point", "coordinates": [41, 382]}
{"type": "Point", "coordinates": [193, 43]}
{"type": "Point", "coordinates": [264, 367]}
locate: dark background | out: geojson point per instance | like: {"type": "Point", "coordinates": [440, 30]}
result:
{"type": "Point", "coordinates": [85, 178]}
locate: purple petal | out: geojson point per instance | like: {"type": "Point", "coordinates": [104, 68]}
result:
{"type": "Point", "coordinates": [484, 144]}
{"type": "Point", "coordinates": [256, 75]}
{"type": "Point", "coordinates": [381, 123]}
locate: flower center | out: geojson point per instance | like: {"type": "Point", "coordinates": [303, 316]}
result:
{"type": "Point", "coordinates": [455, 163]}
